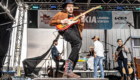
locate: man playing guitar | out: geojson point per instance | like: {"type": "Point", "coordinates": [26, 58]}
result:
{"type": "Point", "coordinates": [122, 58]}
{"type": "Point", "coordinates": [72, 35]}
{"type": "Point", "coordinates": [56, 57]}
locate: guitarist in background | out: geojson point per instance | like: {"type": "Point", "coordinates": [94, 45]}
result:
{"type": "Point", "coordinates": [55, 55]}
{"type": "Point", "coordinates": [122, 58]}
{"type": "Point", "coordinates": [72, 35]}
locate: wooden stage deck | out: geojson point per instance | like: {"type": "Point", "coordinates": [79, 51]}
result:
{"type": "Point", "coordinates": [71, 79]}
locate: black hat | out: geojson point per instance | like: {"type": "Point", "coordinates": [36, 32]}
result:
{"type": "Point", "coordinates": [68, 2]}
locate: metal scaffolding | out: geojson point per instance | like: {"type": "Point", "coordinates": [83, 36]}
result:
{"type": "Point", "coordinates": [19, 36]}
{"type": "Point", "coordinates": [111, 5]}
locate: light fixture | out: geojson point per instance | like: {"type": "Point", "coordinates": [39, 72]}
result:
{"type": "Point", "coordinates": [35, 7]}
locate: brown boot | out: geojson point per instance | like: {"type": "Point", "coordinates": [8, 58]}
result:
{"type": "Point", "coordinates": [122, 78]}
{"type": "Point", "coordinates": [76, 75]}
{"type": "Point", "coordinates": [128, 78]}
{"type": "Point", "coordinates": [71, 75]}
{"type": "Point", "coordinates": [64, 75]}
{"type": "Point", "coordinates": [68, 71]}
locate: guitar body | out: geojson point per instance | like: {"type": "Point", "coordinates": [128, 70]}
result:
{"type": "Point", "coordinates": [64, 27]}
{"type": "Point", "coordinates": [58, 58]}
{"type": "Point", "coordinates": [116, 58]}
{"type": "Point", "coordinates": [130, 69]}
{"type": "Point", "coordinates": [73, 20]}
{"type": "Point", "coordinates": [50, 71]}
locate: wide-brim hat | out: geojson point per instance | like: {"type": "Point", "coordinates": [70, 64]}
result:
{"type": "Point", "coordinates": [68, 2]}
{"type": "Point", "coordinates": [91, 47]}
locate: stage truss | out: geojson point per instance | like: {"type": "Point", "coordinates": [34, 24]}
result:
{"type": "Point", "coordinates": [110, 5]}
{"type": "Point", "coordinates": [19, 36]}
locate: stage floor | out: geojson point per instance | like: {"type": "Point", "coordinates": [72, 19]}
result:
{"type": "Point", "coordinates": [89, 74]}
{"type": "Point", "coordinates": [71, 79]}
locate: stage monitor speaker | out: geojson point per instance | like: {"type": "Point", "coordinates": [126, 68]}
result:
{"type": "Point", "coordinates": [80, 66]}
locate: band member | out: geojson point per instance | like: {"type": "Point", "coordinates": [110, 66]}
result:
{"type": "Point", "coordinates": [91, 52]}
{"type": "Point", "coordinates": [90, 59]}
{"type": "Point", "coordinates": [98, 56]}
{"type": "Point", "coordinates": [72, 35]}
{"type": "Point", "coordinates": [122, 58]}
{"type": "Point", "coordinates": [55, 56]}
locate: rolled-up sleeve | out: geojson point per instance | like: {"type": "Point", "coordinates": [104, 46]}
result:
{"type": "Point", "coordinates": [125, 50]}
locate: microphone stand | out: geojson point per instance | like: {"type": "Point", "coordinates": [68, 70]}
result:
{"type": "Point", "coordinates": [112, 53]}
{"type": "Point", "coordinates": [130, 25]}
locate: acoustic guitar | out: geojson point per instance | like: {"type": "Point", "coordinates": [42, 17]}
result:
{"type": "Point", "coordinates": [130, 69]}
{"type": "Point", "coordinates": [50, 70]}
{"type": "Point", "coordinates": [116, 54]}
{"type": "Point", "coordinates": [133, 65]}
{"type": "Point", "coordinates": [73, 20]}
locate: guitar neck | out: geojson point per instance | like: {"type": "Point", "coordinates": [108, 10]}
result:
{"type": "Point", "coordinates": [85, 12]}
{"type": "Point", "coordinates": [119, 50]}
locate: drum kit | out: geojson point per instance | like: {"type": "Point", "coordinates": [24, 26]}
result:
{"type": "Point", "coordinates": [90, 60]}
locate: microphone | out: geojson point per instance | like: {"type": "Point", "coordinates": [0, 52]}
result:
{"type": "Point", "coordinates": [129, 23]}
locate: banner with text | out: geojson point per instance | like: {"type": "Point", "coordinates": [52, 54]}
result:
{"type": "Point", "coordinates": [120, 19]}
{"type": "Point", "coordinates": [44, 17]}
{"type": "Point", "coordinates": [93, 19]}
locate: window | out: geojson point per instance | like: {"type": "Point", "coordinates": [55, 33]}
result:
{"type": "Point", "coordinates": [137, 42]}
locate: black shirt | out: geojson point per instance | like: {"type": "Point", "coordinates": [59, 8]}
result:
{"type": "Point", "coordinates": [91, 53]}
{"type": "Point", "coordinates": [120, 54]}
{"type": "Point", "coordinates": [74, 28]}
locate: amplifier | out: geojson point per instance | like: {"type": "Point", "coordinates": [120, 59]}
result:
{"type": "Point", "coordinates": [137, 60]}
{"type": "Point", "coordinates": [138, 70]}
{"type": "Point", "coordinates": [80, 66]}
{"type": "Point", "coordinates": [137, 65]}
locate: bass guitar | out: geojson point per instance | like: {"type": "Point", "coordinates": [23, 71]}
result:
{"type": "Point", "coordinates": [73, 20]}
{"type": "Point", "coordinates": [117, 53]}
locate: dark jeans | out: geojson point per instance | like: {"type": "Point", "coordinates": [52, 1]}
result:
{"type": "Point", "coordinates": [125, 66]}
{"type": "Point", "coordinates": [57, 65]}
{"type": "Point", "coordinates": [75, 61]}
{"type": "Point", "coordinates": [74, 39]}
